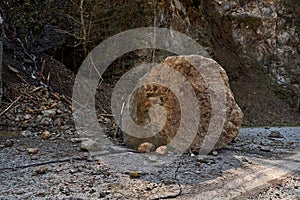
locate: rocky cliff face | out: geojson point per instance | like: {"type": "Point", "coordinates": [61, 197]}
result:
{"type": "Point", "coordinates": [267, 33]}
{"type": "Point", "coordinates": [256, 42]}
{"type": "Point", "coordinates": [244, 36]}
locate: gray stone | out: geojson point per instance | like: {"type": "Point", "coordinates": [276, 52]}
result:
{"type": "Point", "coordinates": [90, 145]}
{"type": "Point", "coordinates": [49, 113]}
{"type": "Point", "coordinates": [58, 122]}
{"type": "Point", "coordinates": [26, 133]}
{"type": "Point", "coordinates": [26, 117]}
{"type": "Point", "coordinates": [267, 36]}
{"type": "Point", "coordinates": [275, 134]}
{"type": "Point", "coordinates": [214, 153]}
{"type": "Point", "coordinates": [46, 121]}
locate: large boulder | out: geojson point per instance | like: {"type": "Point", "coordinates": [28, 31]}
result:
{"type": "Point", "coordinates": [182, 99]}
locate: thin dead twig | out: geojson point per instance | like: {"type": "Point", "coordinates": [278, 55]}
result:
{"type": "Point", "coordinates": [107, 115]}
{"type": "Point", "coordinates": [9, 107]}
{"type": "Point", "coordinates": [118, 129]}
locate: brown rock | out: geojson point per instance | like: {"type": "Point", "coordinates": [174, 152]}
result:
{"type": "Point", "coordinates": [58, 122]}
{"type": "Point", "coordinates": [145, 147]}
{"type": "Point", "coordinates": [41, 170]}
{"type": "Point", "coordinates": [214, 153]}
{"type": "Point", "coordinates": [45, 134]}
{"type": "Point", "coordinates": [184, 105]}
{"type": "Point", "coordinates": [33, 158]}
{"type": "Point", "coordinates": [161, 150]}
{"type": "Point", "coordinates": [32, 150]}
{"type": "Point", "coordinates": [41, 193]}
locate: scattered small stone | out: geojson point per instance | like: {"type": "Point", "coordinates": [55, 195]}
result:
{"type": "Point", "coordinates": [75, 140]}
{"type": "Point", "coordinates": [46, 121]}
{"type": "Point", "coordinates": [26, 133]}
{"type": "Point", "coordinates": [148, 188]}
{"type": "Point", "coordinates": [26, 117]}
{"type": "Point", "coordinates": [90, 145]}
{"type": "Point", "coordinates": [33, 158]}
{"type": "Point", "coordinates": [2, 145]}
{"type": "Point", "coordinates": [145, 147]}
{"type": "Point", "coordinates": [17, 119]}
{"type": "Point", "coordinates": [42, 193]}
{"type": "Point", "coordinates": [202, 160]}
{"type": "Point", "coordinates": [32, 150]}
{"type": "Point", "coordinates": [135, 174]}
{"type": "Point", "coordinates": [30, 110]}
{"type": "Point", "coordinates": [80, 168]}
{"type": "Point", "coordinates": [162, 150]}
{"type": "Point", "coordinates": [64, 127]}
{"type": "Point", "coordinates": [57, 122]}
{"type": "Point", "coordinates": [39, 118]}
{"type": "Point", "coordinates": [267, 127]}
{"type": "Point", "coordinates": [211, 161]}
{"type": "Point", "coordinates": [41, 170]}
{"type": "Point", "coordinates": [265, 149]}
{"type": "Point", "coordinates": [45, 134]}
{"type": "Point", "coordinates": [275, 134]}
{"type": "Point", "coordinates": [214, 153]}
{"type": "Point", "coordinates": [49, 113]}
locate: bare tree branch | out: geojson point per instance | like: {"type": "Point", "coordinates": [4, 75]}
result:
{"type": "Point", "coordinates": [84, 34]}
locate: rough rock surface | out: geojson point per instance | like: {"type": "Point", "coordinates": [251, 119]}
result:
{"type": "Point", "coordinates": [256, 42]}
{"type": "Point", "coordinates": [145, 147]}
{"type": "Point", "coordinates": [156, 94]}
{"type": "Point", "coordinates": [267, 33]}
